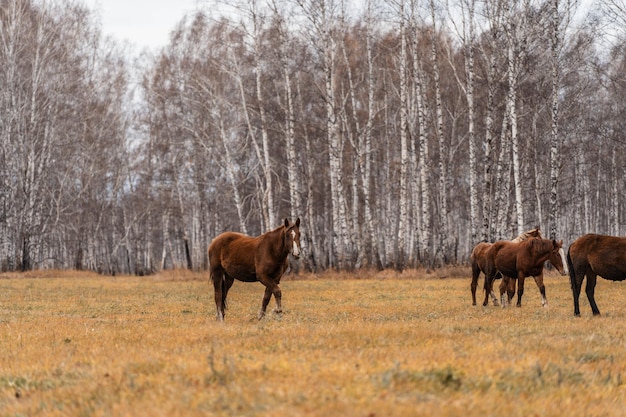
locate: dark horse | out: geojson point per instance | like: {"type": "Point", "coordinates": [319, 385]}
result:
{"type": "Point", "coordinates": [516, 261]}
{"type": "Point", "coordinates": [479, 261]}
{"type": "Point", "coordinates": [594, 255]}
{"type": "Point", "coordinates": [250, 259]}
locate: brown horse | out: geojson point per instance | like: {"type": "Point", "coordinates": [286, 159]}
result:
{"type": "Point", "coordinates": [592, 255]}
{"type": "Point", "coordinates": [516, 261]}
{"type": "Point", "coordinates": [479, 262]}
{"type": "Point", "coordinates": [263, 258]}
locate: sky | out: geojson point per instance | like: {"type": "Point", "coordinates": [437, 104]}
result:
{"type": "Point", "coordinates": [143, 23]}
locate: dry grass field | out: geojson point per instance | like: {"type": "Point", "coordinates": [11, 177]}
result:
{"type": "Point", "coordinates": [368, 344]}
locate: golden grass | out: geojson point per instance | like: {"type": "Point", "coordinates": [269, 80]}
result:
{"type": "Point", "coordinates": [375, 344]}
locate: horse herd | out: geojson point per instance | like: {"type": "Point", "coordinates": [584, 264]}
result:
{"type": "Point", "coordinates": [265, 258]}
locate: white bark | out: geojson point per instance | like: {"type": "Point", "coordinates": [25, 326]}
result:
{"type": "Point", "coordinates": [424, 157]}
{"type": "Point", "coordinates": [229, 165]}
{"type": "Point", "coordinates": [494, 12]}
{"type": "Point", "coordinates": [554, 137]}
{"type": "Point", "coordinates": [514, 57]}
{"type": "Point", "coordinates": [366, 157]}
{"type": "Point", "coordinates": [503, 181]}
{"type": "Point", "coordinates": [404, 151]}
{"type": "Point", "coordinates": [266, 161]}
{"type": "Point", "coordinates": [444, 232]}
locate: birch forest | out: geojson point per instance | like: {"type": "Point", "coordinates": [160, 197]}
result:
{"type": "Point", "coordinates": [400, 132]}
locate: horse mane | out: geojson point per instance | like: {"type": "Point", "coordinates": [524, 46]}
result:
{"type": "Point", "coordinates": [278, 245]}
{"type": "Point", "coordinates": [539, 245]}
{"type": "Point", "coordinates": [528, 234]}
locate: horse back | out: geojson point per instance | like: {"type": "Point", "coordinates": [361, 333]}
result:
{"type": "Point", "coordinates": [234, 254]}
{"type": "Point", "coordinates": [604, 255]}
{"type": "Point", "coordinates": [503, 256]}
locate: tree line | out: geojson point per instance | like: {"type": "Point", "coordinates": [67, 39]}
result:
{"type": "Point", "coordinates": [401, 132]}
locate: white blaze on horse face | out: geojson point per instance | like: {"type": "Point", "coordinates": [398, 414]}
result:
{"type": "Point", "coordinates": [564, 260]}
{"type": "Point", "coordinates": [296, 249]}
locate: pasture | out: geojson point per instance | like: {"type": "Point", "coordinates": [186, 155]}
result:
{"type": "Point", "coordinates": [367, 344]}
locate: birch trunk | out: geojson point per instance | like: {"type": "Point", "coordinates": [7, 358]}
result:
{"type": "Point", "coordinates": [355, 139]}
{"type": "Point", "coordinates": [614, 196]}
{"type": "Point", "coordinates": [266, 161]}
{"type": "Point", "coordinates": [488, 145]}
{"type": "Point", "coordinates": [265, 220]}
{"type": "Point", "coordinates": [444, 232]}
{"type": "Point", "coordinates": [294, 178]}
{"type": "Point", "coordinates": [404, 152]}
{"type": "Point", "coordinates": [554, 138]}
{"type": "Point", "coordinates": [494, 10]}
{"type": "Point", "coordinates": [513, 58]}
{"type": "Point", "coordinates": [311, 239]}
{"type": "Point", "coordinates": [503, 179]}
{"type": "Point", "coordinates": [335, 147]}
{"type": "Point", "coordinates": [424, 158]}
{"type": "Point", "coordinates": [471, 134]}
{"type": "Point", "coordinates": [366, 157]}
{"type": "Point", "coordinates": [229, 164]}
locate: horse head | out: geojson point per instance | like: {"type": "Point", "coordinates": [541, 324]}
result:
{"type": "Point", "coordinates": [557, 257]}
{"type": "Point", "coordinates": [292, 237]}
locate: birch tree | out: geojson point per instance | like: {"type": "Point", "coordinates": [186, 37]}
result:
{"type": "Point", "coordinates": [466, 33]}
{"type": "Point", "coordinates": [257, 21]}
{"type": "Point", "coordinates": [322, 17]}
{"type": "Point", "coordinates": [444, 232]}
{"type": "Point", "coordinates": [493, 11]}
{"type": "Point", "coordinates": [515, 29]}
{"type": "Point", "coordinates": [403, 220]}
{"type": "Point", "coordinates": [555, 45]}
{"type": "Point", "coordinates": [294, 177]}
{"type": "Point", "coordinates": [421, 110]}
{"type": "Point", "coordinates": [366, 157]}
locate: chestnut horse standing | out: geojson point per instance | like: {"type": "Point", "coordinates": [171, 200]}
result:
{"type": "Point", "coordinates": [263, 258]}
{"type": "Point", "coordinates": [479, 262]}
{"type": "Point", "coordinates": [592, 255]}
{"type": "Point", "coordinates": [516, 261]}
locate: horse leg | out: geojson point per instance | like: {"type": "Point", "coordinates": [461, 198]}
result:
{"type": "Point", "coordinates": [520, 289]}
{"type": "Point", "coordinates": [489, 277]}
{"type": "Point", "coordinates": [494, 299]}
{"type": "Point", "coordinates": [510, 290]}
{"type": "Point", "coordinates": [542, 289]}
{"type": "Point", "coordinates": [590, 289]}
{"type": "Point", "coordinates": [474, 284]}
{"type": "Point", "coordinates": [576, 283]}
{"type": "Point", "coordinates": [503, 288]}
{"type": "Point", "coordinates": [217, 276]}
{"type": "Point", "coordinates": [266, 300]}
{"type": "Point", "coordinates": [278, 295]}
{"type": "Point", "coordinates": [271, 288]}
{"type": "Point", "coordinates": [228, 282]}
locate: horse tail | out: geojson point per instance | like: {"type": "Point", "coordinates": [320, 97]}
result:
{"type": "Point", "coordinates": [572, 274]}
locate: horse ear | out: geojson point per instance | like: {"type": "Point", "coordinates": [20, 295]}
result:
{"type": "Point", "coordinates": [286, 222]}
{"type": "Point", "coordinates": [298, 222]}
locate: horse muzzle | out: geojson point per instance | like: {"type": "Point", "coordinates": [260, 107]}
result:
{"type": "Point", "coordinates": [295, 251]}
